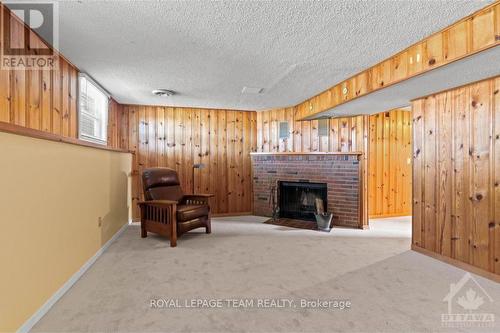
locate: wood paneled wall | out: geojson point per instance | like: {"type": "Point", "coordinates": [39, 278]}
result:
{"type": "Point", "coordinates": [388, 176]}
{"type": "Point", "coordinates": [180, 137]}
{"type": "Point", "coordinates": [345, 134]}
{"type": "Point", "coordinates": [39, 99]}
{"type": "Point", "coordinates": [117, 126]}
{"type": "Point", "coordinates": [468, 36]}
{"type": "Point", "coordinates": [456, 192]}
{"type": "Point", "coordinates": [389, 164]}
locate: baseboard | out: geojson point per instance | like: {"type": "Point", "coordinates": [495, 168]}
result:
{"type": "Point", "coordinates": [232, 214]}
{"type": "Point", "coordinates": [457, 263]}
{"type": "Point", "coordinates": [28, 325]}
{"type": "Point", "coordinates": [134, 222]}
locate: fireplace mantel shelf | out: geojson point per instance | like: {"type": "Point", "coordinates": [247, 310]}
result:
{"type": "Point", "coordinates": [308, 153]}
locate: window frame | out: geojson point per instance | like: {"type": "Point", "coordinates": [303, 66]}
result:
{"type": "Point", "coordinates": [83, 136]}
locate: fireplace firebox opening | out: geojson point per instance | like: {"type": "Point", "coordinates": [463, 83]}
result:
{"type": "Point", "coordinates": [297, 200]}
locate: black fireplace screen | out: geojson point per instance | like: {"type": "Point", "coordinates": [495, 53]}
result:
{"type": "Point", "coordinates": [298, 199]}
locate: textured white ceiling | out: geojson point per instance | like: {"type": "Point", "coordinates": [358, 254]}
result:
{"type": "Point", "coordinates": [209, 51]}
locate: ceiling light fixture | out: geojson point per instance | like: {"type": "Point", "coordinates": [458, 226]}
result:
{"type": "Point", "coordinates": [163, 92]}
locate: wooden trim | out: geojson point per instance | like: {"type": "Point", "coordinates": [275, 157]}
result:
{"type": "Point", "coordinates": [361, 195]}
{"type": "Point", "coordinates": [37, 134]}
{"type": "Point", "coordinates": [457, 263]}
{"type": "Point", "coordinates": [182, 107]}
{"type": "Point", "coordinates": [308, 153]}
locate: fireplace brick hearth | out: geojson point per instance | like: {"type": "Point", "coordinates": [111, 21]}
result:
{"type": "Point", "coordinates": [340, 171]}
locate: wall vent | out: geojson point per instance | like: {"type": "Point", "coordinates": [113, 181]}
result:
{"type": "Point", "coordinates": [284, 130]}
{"type": "Point", "coordinates": [252, 90]}
{"type": "Point", "coordinates": [323, 127]}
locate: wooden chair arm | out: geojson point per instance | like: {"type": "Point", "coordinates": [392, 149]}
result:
{"type": "Point", "coordinates": [202, 195]}
{"type": "Point", "coordinates": [197, 199]}
{"type": "Point", "coordinates": [163, 203]}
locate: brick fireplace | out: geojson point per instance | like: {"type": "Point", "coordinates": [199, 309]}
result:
{"type": "Point", "coordinates": [339, 171]}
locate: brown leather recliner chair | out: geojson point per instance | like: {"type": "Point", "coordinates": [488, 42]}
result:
{"type": "Point", "coordinates": [166, 210]}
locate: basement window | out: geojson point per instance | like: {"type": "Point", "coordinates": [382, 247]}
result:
{"type": "Point", "coordinates": [93, 111]}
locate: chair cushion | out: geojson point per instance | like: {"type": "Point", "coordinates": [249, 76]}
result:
{"type": "Point", "coordinates": [173, 193]}
{"type": "Point", "coordinates": [155, 177]}
{"type": "Point", "coordinates": [191, 212]}
{"type": "Point", "coordinates": [161, 184]}
{"type": "Point", "coordinates": [186, 226]}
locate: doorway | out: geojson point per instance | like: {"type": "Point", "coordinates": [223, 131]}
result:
{"type": "Point", "coordinates": [390, 168]}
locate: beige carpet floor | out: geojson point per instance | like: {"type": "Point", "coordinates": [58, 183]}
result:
{"type": "Point", "coordinates": [391, 288]}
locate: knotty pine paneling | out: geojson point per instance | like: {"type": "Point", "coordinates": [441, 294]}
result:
{"type": "Point", "coordinates": [118, 126]}
{"type": "Point", "coordinates": [177, 138]}
{"type": "Point", "coordinates": [39, 99]}
{"type": "Point", "coordinates": [389, 164]}
{"type": "Point", "coordinates": [345, 134]}
{"type": "Point", "coordinates": [469, 35]}
{"type": "Point", "coordinates": [456, 174]}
